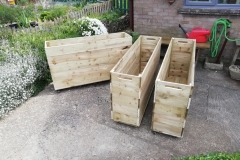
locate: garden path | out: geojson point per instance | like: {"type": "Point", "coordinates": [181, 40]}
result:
{"type": "Point", "coordinates": [75, 124]}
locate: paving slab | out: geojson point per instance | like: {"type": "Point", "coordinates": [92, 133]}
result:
{"type": "Point", "coordinates": [75, 123]}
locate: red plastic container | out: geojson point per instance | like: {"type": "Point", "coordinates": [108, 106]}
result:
{"type": "Point", "coordinates": [200, 34]}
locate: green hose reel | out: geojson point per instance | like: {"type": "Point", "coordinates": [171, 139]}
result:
{"type": "Point", "coordinates": [215, 37]}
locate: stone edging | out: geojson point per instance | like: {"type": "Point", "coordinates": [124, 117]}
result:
{"type": "Point", "coordinates": [207, 11]}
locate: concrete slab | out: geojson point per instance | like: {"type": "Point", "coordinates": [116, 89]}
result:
{"type": "Point", "coordinates": [75, 124]}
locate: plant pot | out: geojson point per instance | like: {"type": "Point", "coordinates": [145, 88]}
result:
{"type": "Point", "coordinates": [234, 72]}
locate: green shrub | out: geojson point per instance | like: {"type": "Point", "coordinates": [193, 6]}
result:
{"type": "Point", "coordinates": [134, 35]}
{"type": "Point", "coordinates": [214, 156]}
{"type": "Point", "coordinates": [81, 4]}
{"type": "Point", "coordinates": [46, 16]}
{"type": "Point", "coordinates": [112, 15]}
{"type": "Point", "coordinates": [8, 14]}
{"type": "Point", "coordinates": [55, 12]}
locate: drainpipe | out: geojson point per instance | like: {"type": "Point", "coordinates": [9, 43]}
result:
{"type": "Point", "coordinates": [131, 15]}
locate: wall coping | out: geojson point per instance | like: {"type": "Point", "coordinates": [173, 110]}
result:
{"type": "Point", "coordinates": [208, 11]}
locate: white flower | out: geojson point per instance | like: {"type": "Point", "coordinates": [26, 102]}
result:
{"type": "Point", "coordinates": [18, 74]}
{"type": "Point", "coordinates": [95, 27]}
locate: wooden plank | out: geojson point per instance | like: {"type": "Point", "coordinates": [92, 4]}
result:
{"type": "Point", "coordinates": [95, 38]}
{"type": "Point", "coordinates": [130, 111]}
{"type": "Point", "coordinates": [181, 102]}
{"type": "Point", "coordinates": [125, 80]}
{"type": "Point", "coordinates": [150, 40]}
{"type": "Point", "coordinates": [169, 110]}
{"type": "Point", "coordinates": [131, 67]}
{"type": "Point", "coordinates": [167, 129]}
{"type": "Point", "coordinates": [80, 80]}
{"type": "Point", "coordinates": [123, 118]}
{"type": "Point", "coordinates": [148, 77]}
{"type": "Point", "coordinates": [169, 120]}
{"type": "Point", "coordinates": [130, 55]}
{"type": "Point", "coordinates": [76, 56]}
{"type": "Point", "coordinates": [83, 47]}
{"type": "Point", "coordinates": [175, 79]}
{"type": "Point", "coordinates": [180, 59]}
{"type": "Point", "coordinates": [124, 100]}
{"type": "Point", "coordinates": [81, 64]}
{"type": "Point", "coordinates": [146, 54]}
{"type": "Point", "coordinates": [178, 73]}
{"type": "Point", "coordinates": [163, 72]}
{"type": "Point", "coordinates": [179, 66]}
{"type": "Point", "coordinates": [72, 73]}
{"type": "Point", "coordinates": [127, 91]}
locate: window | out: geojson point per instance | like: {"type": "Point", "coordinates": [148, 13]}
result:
{"type": "Point", "coordinates": [213, 3]}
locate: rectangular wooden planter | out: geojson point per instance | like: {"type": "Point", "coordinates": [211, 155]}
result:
{"type": "Point", "coordinates": [173, 87]}
{"type": "Point", "coordinates": [84, 60]}
{"type": "Point", "coordinates": [132, 80]}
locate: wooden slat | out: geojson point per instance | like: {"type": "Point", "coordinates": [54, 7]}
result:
{"type": "Point", "coordinates": [80, 80]}
{"type": "Point", "coordinates": [125, 80]}
{"type": "Point", "coordinates": [152, 40]}
{"type": "Point", "coordinates": [80, 72]}
{"type": "Point", "coordinates": [169, 120]}
{"type": "Point", "coordinates": [85, 39]}
{"type": "Point", "coordinates": [169, 110]}
{"type": "Point", "coordinates": [123, 118]}
{"type": "Point", "coordinates": [179, 66]}
{"type": "Point", "coordinates": [167, 129]}
{"type": "Point", "coordinates": [76, 56]}
{"type": "Point", "coordinates": [130, 55]}
{"type": "Point", "coordinates": [127, 91]}
{"type": "Point", "coordinates": [178, 73]}
{"type": "Point", "coordinates": [81, 64]}
{"type": "Point", "coordinates": [148, 77]}
{"type": "Point", "coordinates": [181, 102]}
{"type": "Point", "coordinates": [125, 100]}
{"type": "Point", "coordinates": [175, 79]}
{"type": "Point", "coordinates": [130, 111]}
{"type": "Point", "coordinates": [84, 47]}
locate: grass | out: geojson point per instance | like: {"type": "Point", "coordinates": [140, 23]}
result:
{"type": "Point", "coordinates": [214, 156]}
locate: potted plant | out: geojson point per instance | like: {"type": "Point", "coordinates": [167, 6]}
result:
{"type": "Point", "coordinates": [234, 72]}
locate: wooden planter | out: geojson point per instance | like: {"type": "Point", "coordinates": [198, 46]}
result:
{"type": "Point", "coordinates": [173, 87]}
{"type": "Point", "coordinates": [84, 60]}
{"type": "Point", "coordinates": [132, 80]}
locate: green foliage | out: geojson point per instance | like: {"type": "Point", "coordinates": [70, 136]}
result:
{"type": "Point", "coordinates": [55, 12]}
{"type": "Point", "coordinates": [22, 2]}
{"type": "Point", "coordinates": [40, 8]}
{"type": "Point", "coordinates": [112, 15]}
{"type": "Point", "coordinates": [46, 16]}
{"type": "Point", "coordinates": [134, 35]}
{"type": "Point", "coordinates": [80, 4]}
{"type": "Point", "coordinates": [8, 14]}
{"type": "Point", "coordinates": [214, 156]}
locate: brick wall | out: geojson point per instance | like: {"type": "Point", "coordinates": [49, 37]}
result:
{"type": "Point", "coordinates": [157, 17]}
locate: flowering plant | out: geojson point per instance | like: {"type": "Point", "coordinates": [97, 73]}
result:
{"type": "Point", "coordinates": [20, 69]}
{"type": "Point", "coordinates": [90, 26]}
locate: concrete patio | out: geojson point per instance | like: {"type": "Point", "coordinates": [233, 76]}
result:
{"type": "Point", "coordinates": [75, 124]}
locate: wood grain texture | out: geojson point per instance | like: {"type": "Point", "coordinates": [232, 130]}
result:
{"type": "Point", "coordinates": [173, 87]}
{"type": "Point", "coordinates": [132, 80]}
{"type": "Point", "coordinates": [84, 60]}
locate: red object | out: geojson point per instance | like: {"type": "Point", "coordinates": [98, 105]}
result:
{"type": "Point", "coordinates": [200, 34]}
